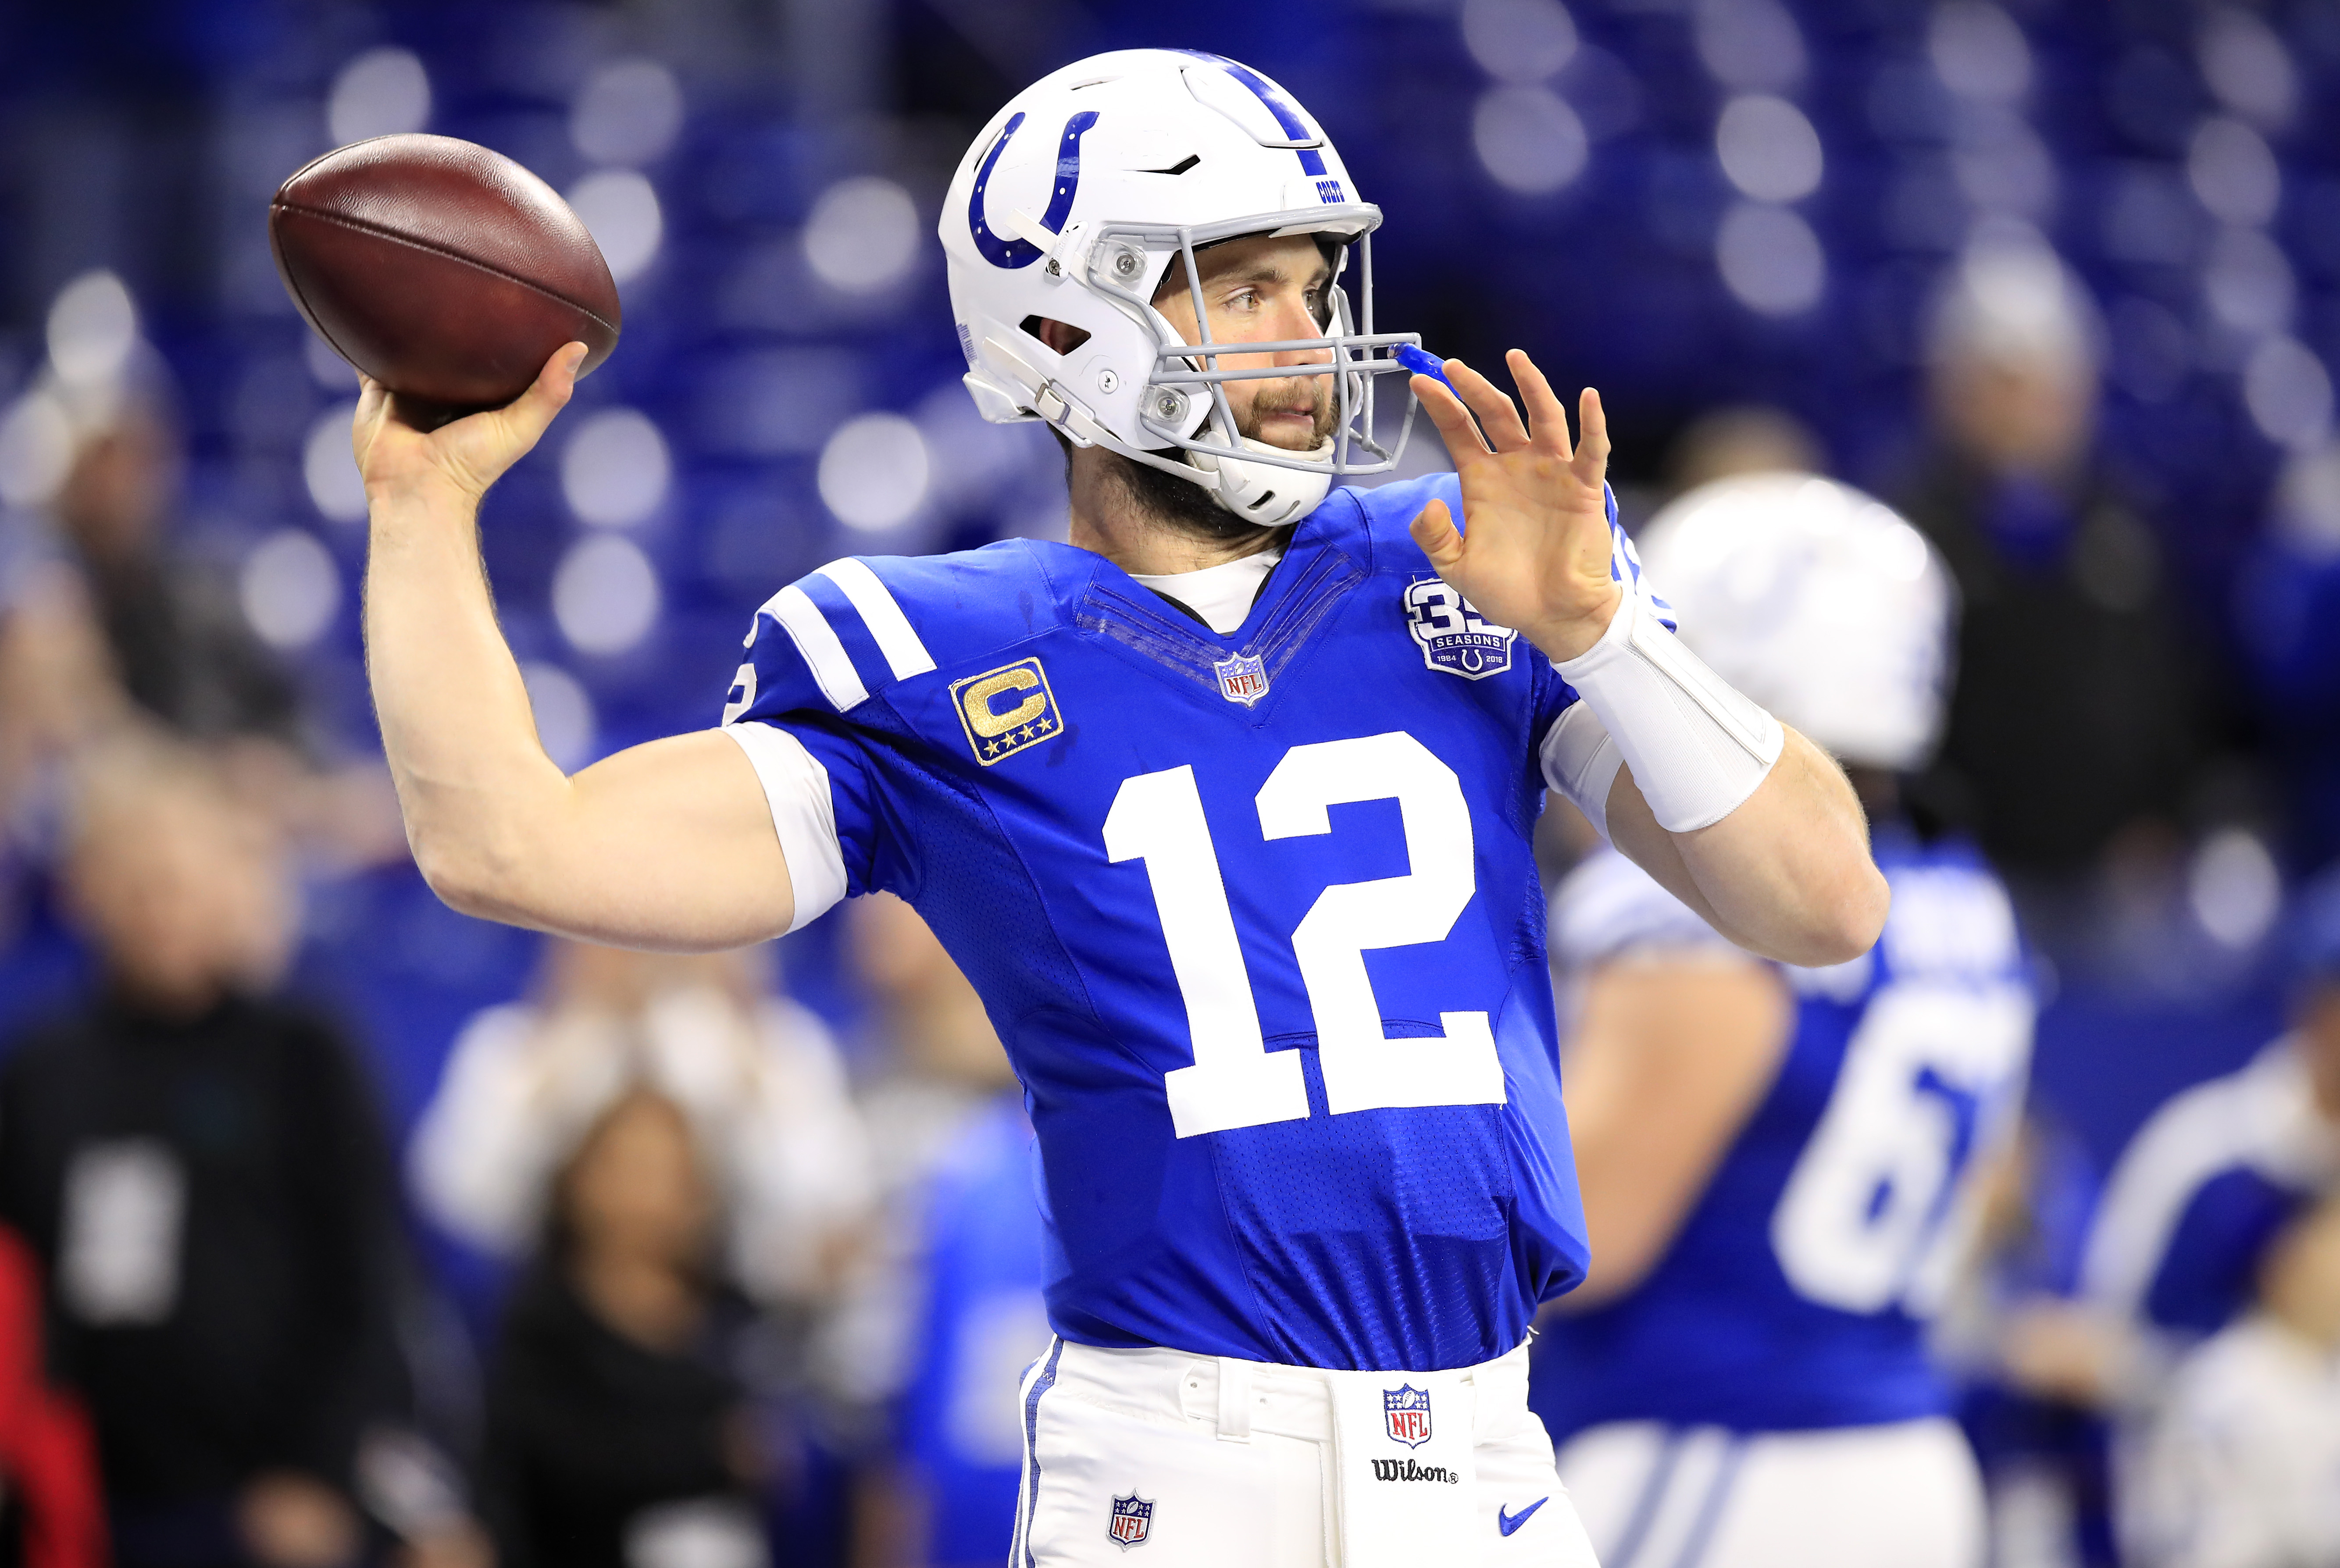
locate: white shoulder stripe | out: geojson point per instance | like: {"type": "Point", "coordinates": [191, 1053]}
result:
{"type": "Point", "coordinates": [905, 654]}
{"type": "Point", "coordinates": [816, 640]}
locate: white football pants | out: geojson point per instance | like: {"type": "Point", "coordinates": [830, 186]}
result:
{"type": "Point", "coordinates": [1249, 1484]}
{"type": "Point", "coordinates": [1903, 1495]}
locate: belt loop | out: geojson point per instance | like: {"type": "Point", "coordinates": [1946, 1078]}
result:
{"type": "Point", "coordinates": [1235, 1401]}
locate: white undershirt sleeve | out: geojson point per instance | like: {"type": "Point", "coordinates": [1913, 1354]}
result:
{"type": "Point", "coordinates": [1581, 761]}
{"type": "Point", "coordinates": [797, 788]}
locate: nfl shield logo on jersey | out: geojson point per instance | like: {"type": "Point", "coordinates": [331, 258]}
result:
{"type": "Point", "coordinates": [1242, 678]}
{"type": "Point", "coordinates": [1406, 1412]}
{"type": "Point", "coordinates": [1132, 1517]}
{"type": "Point", "coordinates": [1453, 636]}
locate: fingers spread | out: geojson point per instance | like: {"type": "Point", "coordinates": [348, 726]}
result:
{"type": "Point", "coordinates": [1547, 417]}
{"type": "Point", "coordinates": [1433, 529]}
{"type": "Point", "coordinates": [1453, 419]}
{"type": "Point", "coordinates": [1502, 420]}
{"type": "Point", "coordinates": [1592, 456]}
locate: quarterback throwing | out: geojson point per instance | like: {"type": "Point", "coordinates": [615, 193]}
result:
{"type": "Point", "coordinates": [1224, 807]}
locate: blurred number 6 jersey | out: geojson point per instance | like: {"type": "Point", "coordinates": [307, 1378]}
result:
{"type": "Point", "coordinates": [1796, 1294]}
{"type": "Point", "coordinates": [1255, 915]}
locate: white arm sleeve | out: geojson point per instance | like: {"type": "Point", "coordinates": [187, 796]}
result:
{"type": "Point", "coordinates": [1698, 747]}
{"type": "Point", "coordinates": [795, 785]}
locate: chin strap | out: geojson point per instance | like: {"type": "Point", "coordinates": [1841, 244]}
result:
{"type": "Point", "coordinates": [1266, 493]}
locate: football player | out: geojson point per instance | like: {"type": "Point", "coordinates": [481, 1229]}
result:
{"type": "Point", "coordinates": [1223, 808]}
{"type": "Point", "coordinates": [1776, 1159]}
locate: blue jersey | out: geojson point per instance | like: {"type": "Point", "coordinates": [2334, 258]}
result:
{"type": "Point", "coordinates": [2203, 1189]}
{"type": "Point", "coordinates": [982, 1325]}
{"type": "Point", "coordinates": [1796, 1294]}
{"type": "Point", "coordinates": [1255, 916]}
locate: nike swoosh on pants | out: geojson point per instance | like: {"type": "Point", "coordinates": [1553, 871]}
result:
{"type": "Point", "coordinates": [1507, 1522]}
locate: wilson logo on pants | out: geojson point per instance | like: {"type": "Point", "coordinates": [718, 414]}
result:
{"type": "Point", "coordinates": [1408, 1469]}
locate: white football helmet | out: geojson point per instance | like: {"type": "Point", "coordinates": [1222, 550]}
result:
{"type": "Point", "coordinates": [1819, 602]}
{"type": "Point", "coordinates": [1070, 206]}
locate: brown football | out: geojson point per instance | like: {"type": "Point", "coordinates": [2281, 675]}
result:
{"type": "Point", "coordinates": [445, 271]}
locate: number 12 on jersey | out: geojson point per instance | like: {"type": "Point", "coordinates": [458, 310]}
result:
{"type": "Point", "coordinates": [1235, 1081]}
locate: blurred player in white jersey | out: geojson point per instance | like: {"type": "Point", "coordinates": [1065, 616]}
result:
{"type": "Point", "coordinates": [1775, 1162]}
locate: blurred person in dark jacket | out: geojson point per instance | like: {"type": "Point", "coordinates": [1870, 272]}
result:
{"type": "Point", "coordinates": [178, 647]}
{"type": "Point", "coordinates": [619, 1427]}
{"type": "Point", "coordinates": [2287, 621]}
{"type": "Point", "coordinates": [200, 1171]}
{"type": "Point", "coordinates": [2078, 713]}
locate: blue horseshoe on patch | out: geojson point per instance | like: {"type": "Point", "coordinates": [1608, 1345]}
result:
{"type": "Point", "coordinates": [1013, 254]}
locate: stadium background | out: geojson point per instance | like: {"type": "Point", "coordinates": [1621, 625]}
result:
{"type": "Point", "coordinates": [1589, 182]}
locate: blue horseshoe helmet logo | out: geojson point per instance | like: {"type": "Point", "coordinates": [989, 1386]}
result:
{"type": "Point", "coordinates": [1014, 254]}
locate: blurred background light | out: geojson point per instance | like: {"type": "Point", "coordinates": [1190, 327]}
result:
{"type": "Point", "coordinates": [329, 466]}
{"type": "Point", "coordinates": [2307, 513]}
{"type": "Point", "coordinates": [2288, 393]}
{"type": "Point", "coordinates": [2233, 173]}
{"type": "Point", "coordinates": [290, 587]}
{"type": "Point", "coordinates": [92, 329]}
{"type": "Point", "coordinates": [1768, 149]}
{"type": "Point", "coordinates": [1769, 258]}
{"type": "Point", "coordinates": [605, 594]}
{"type": "Point", "coordinates": [1978, 51]}
{"type": "Point", "coordinates": [2247, 67]}
{"type": "Point", "coordinates": [2248, 282]}
{"type": "Point", "coordinates": [874, 472]}
{"type": "Point", "coordinates": [36, 448]}
{"type": "Point", "coordinates": [1528, 140]}
{"type": "Point", "coordinates": [628, 113]}
{"type": "Point", "coordinates": [380, 93]}
{"type": "Point", "coordinates": [863, 234]}
{"type": "Point", "coordinates": [1753, 45]}
{"type": "Point", "coordinates": [2234, 886]}
{"type": "Point", "coordinates": [1519, 40]}
{"type": "Point", "coordinates": [565, 723]}
{"type": "Point", "coordinates": [614, 468]}
{"type": "Point", "coordinates": [622, 209]}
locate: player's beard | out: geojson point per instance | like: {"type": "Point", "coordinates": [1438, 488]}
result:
{"type": "Point", "coordinates": [1186, 506]}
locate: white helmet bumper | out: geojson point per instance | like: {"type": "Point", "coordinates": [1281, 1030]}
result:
{"type": "Point", "coordinates": [1071, 207]}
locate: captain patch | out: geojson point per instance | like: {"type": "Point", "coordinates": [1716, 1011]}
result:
{"type": "Point", "coordinates": [1007, 710]}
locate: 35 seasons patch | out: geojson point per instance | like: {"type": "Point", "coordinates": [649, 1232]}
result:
{"type": "Point", "coordinates": [1007, 709]}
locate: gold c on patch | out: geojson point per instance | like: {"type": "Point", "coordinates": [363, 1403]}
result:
{"type": "Point", "coordinates": [1007, 709]}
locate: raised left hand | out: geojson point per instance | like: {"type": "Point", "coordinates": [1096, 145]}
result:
{"type": "Point", "coordinates": [1535, 550]}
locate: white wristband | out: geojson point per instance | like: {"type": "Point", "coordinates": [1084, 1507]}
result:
{"type": "Point", "coordinates": [1580, 760]}
{"type": "Point", "coordinates": [1696, 747]}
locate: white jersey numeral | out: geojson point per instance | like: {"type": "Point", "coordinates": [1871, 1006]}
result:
{"type": "Point", "coordinates": [1363, 1069]}
{"type": "Point", "coordinates": [1865, 1221]}
{"type": "Point", "coordinates": [1235, 1081]}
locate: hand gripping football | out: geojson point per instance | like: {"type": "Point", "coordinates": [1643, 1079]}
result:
{"type": "Point", "coordinates": [445, 271]}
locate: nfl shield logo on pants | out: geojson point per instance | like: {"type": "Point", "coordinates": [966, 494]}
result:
{"type": "Point", "coordinates": [1407, 1412]}
{"type": "Point", "coordinates": [1132, 1517]}
{"type": "Point", "coordinates": [1242, 678]}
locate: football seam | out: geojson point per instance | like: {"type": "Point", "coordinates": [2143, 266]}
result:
{"type": "Point", "coordinates": [379, 233]}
